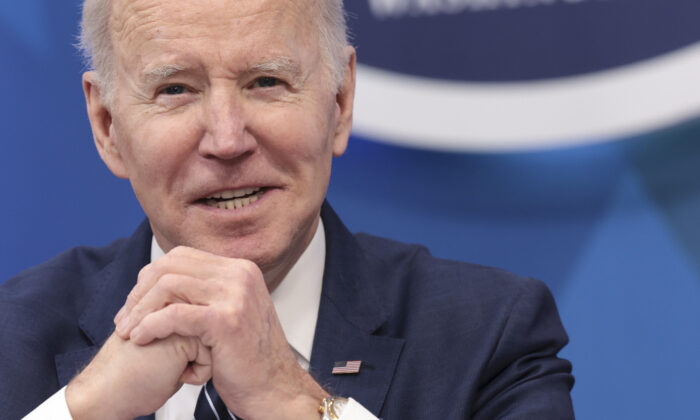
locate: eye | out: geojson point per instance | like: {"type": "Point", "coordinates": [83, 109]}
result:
{"type": "Point", "coordinates": [174, 90]}
{"type": "Point", "coordinates": [266, 82]}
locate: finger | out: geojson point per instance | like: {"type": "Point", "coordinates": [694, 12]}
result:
{"type": "Point", "coordinates": [199, 370]}
{"type": "Point", "coordinates": [146, 278]}
{"type": "Point", "coordinates": [173, 288]}
{"type": "Point", "coordinates": [196, 374]}
{"type": "Point", "coordinates": [180, 260]}
{"type": "Point", "coordinates": [197, 263]}
{"type": "Point", "coordinates": [179, 318]}
{"type": "Point", "coordinates": [170, 288]}
{"type": "Point", "coordinates": [156, 290]}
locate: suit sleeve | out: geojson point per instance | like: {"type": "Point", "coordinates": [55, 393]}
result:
{"type": "Point", "coordinates": [55, 408]}
{"type": "Point", "coordinates": [27, 369]}
{"type": "Point", "coordinates": [525, 379]}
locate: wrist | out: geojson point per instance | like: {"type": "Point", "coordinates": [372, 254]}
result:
{"type": "Point", "coordinates": [305, 407]}
{"type": "Point", "coordinates": [303, 403]}
{"type": "Point", "coordinates": [81, 404]}
{"type": "Point", "coordinates": [85, 402]}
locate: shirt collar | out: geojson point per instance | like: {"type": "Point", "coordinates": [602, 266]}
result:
{"type": "Point", "coordinates": [298, 296]}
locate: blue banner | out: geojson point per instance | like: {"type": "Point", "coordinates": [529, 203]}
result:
{"type": "Point", "coordinates": [492, 75]}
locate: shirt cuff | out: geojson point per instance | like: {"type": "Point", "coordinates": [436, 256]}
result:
{"type": "Point", "coordinates": [355, 411]}
{"type": "Point", "coordinates": [55, 408]}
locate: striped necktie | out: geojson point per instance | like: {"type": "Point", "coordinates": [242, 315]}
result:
{"type": "Point", "coordinates": [210, 406]}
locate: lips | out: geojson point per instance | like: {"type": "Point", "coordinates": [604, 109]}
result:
{"type": "Point", "coordinates": [233, 199]}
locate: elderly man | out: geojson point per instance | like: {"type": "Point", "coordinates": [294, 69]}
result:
{"type": "Point", "coordinates": [225, 116]}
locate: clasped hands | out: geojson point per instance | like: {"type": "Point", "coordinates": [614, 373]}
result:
{"type": "Point", "coordinates": [193, 316]}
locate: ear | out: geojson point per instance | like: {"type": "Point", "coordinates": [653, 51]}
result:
{"type": "Point", "coordinates": [344, 104]}
{"type": "Point", "coordinates": [100, 117]}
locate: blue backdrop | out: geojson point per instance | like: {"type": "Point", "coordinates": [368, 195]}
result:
{"type": "Point", "coordinates": [610, 227]}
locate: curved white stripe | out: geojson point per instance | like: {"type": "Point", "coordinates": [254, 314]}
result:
{"type": "Point", "coordinates": [445, 115]}
{"type": "Point", "coordinates": [211, 403]}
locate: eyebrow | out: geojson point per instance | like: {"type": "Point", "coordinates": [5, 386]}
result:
{"type": "Point", "coordinates": [162, 72]}
{"type": "Point", "coordinates": [278, 65]}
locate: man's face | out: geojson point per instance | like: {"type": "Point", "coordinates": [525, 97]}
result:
{"type": "Point", "coordinates": [220, 99]}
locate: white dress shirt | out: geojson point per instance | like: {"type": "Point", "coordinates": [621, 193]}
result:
{"type": "Point", "coordinates": [296, 301]}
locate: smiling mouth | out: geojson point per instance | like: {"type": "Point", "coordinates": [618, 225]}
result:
{"type": "Point", "coordinates": [234, 199]}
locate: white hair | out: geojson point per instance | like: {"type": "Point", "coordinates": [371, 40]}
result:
{"type": "Point", "coordinates": [95, 41]}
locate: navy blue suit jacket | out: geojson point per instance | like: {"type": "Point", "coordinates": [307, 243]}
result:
{"type": "Point", "coordinates": [438, 339]}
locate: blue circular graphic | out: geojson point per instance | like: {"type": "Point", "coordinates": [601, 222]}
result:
{"type": "Point", "coordinates": [517, 40]}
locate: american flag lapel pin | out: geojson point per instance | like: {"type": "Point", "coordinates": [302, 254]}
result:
{"type": "Point", "coordinates": [347, 367]}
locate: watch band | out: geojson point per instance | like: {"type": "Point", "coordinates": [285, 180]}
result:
{"type": "Point", "coordinates": [332, 407]}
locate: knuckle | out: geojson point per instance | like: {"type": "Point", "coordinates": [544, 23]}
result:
{"type": "Point", "coordinates": [168, 282]}
{"type": "Point", "coordinates": [132, 296]}
{"type": "Point", "coordinates": [179, 250]}
{"type": "Point", "coordinates": [251, 268]}
{"type": "Point", "coordinates": [216, 317]}
{"type": "Point", "coordinates": [144, 272]}
{"type": "Point", "coordinates": [176, 310]}
{"type": "Point", "coordinates": [211, 315]}
{"type": "Point", "coordinates": [250, 273]}
{"type": "Point", "coordinates": [245, 281]}
{"type": "Point", "coordinates": [150, 272]}
{"type": "Point", "coordinates": [233, 317]}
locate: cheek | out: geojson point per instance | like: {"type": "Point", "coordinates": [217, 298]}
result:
{"type": "Point", "coordinates": [305, 134]}
{"type": "Point", "coordinates": [312, 157]}
{"type": "Point", "coordinates": [154, 146]}
{"type": "Point", "coordinates": [306, 148]}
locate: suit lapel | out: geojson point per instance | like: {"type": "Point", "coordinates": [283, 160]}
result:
{"type": "Point", "coordinates": [349, 314]}
{"type": "Point", "coordinates": [107, 292]}
{"type": "Point", "coordinates": [337, 340]}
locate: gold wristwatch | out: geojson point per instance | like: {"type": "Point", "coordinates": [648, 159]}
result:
{"type": "Point", "coordinates": [332, 407]}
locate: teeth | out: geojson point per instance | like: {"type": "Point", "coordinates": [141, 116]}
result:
{"type": "Point", "coordinates": [233, 200]}
{"type": "Point", "coordinates": [227, 195]}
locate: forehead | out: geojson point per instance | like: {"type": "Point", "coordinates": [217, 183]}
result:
{"type": "Point", "coordinates": [223, 25]}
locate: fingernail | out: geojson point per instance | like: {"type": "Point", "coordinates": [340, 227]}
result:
{"type": "Point", "coordinates": [121, 326]}
{"type": "Point", "coordinates": [134, 336]}
{"type": "Point", "coordinates": [119, 316]}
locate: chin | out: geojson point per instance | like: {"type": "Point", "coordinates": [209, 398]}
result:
{"type": "Point", "coordinates": [242, 248]}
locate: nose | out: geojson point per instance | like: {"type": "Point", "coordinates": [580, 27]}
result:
{"type": "Point", "coordinates": [227, 136]}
